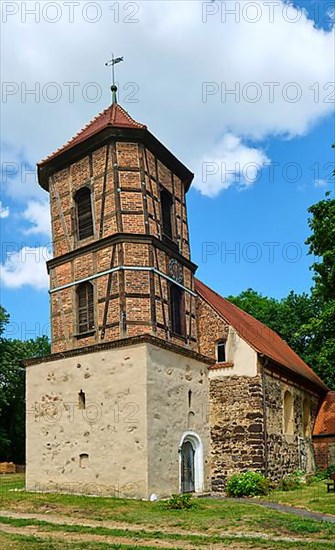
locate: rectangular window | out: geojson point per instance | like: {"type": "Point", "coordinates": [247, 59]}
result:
{"type": "Point", "coordinates": [221, 351]}
{"type": "Point", "coordinates": [167, 210]}
{"type": "Point", "coordinates": [84, 213]}
{"type": "Point", "coordinates": [85, 305]}
{"type": "Point", "coordinates": [177, 309]}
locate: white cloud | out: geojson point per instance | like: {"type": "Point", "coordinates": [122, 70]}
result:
{"type": "Point", "coordinates": [26, 268]}
{"type": "Point", "coordinates": [231, 162]}
{"type": "Point", "coordinates": [4, 211]}
{"type": "Point", "coordinates": [38, 214]}
{"type": "Point", "coordinates": [170, 53]}
{"type": "Point", "coordinates": [320, 183]}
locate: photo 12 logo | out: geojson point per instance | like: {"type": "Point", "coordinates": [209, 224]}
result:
{"type": "Point", "coordinates": [237, 11]}
{"type": "Point", "coordinates": [53, 92]}
{"type": "Point", "coordinates": [70, 12]}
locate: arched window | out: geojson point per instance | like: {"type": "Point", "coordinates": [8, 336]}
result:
{"type": "Point", "coordinates": [306, 417]}
{"type": "Point", "coordinates": [84, 213]}
{"type": "Point", "coordinates": [85, 307]}
{"type": "Point", "coordinates": [221, 351]}
{"type": "Point", "coordinates": [83, 460]}
{"type": "Point", "coordinates": [288, 414]}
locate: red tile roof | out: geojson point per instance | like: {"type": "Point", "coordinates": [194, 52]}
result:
{"type": "Point", "coordinates": [114, 116]}
{"type": "Point", "coordinates": [264, 340]}
{"type": "Point", "coordinates": [325, 420]}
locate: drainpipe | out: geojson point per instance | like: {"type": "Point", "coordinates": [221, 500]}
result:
{"type": "Point", "coordinates": [265, 423]}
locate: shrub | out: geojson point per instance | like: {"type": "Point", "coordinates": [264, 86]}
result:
{"type": "Point", "coordinates": [247, 484]}
{"type": "Point", "coordinates": [180, 502]}
{"type": "Point", "coordinates": [292, 481]}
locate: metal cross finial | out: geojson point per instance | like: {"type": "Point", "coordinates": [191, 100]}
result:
{"type": "Point", "coordinates": [111, 64]}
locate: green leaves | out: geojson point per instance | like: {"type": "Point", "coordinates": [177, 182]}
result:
{"type": "Point", "coordinates": [12, 390]}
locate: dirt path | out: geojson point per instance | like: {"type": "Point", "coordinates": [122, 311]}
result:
{"type": "Point", "coordinates": [40, 531]}
{"type": "Point", "coordinates": [36, 531]}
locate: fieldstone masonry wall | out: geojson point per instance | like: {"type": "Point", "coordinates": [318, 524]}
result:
{"type": "Point", "coordinates": [287, 453]}
{"type": "Point", "coordinates": [237, 427]}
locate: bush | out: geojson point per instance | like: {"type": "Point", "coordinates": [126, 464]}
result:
{"type": "Point", "coordinates": [292, 481]}
{"type": "Point", "coordinates": [247, 484]}
{"type": "Point", "coordinates": [321, 475]}
{"type": "Point", "coordinates": [180, 502]}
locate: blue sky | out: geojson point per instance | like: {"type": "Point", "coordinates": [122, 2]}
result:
{"type": "Point", "coordinates": [260, 215]}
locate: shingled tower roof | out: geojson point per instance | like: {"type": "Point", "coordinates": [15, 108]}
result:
{"type": "Point", "coordinates": [114, 116]}
{"type": "Point", "coordinates": [116, 124]}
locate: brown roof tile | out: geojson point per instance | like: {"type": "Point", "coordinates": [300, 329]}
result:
{"type": "Point", "coordinates": [114, 115]}
{"type": "Point", "coordinates": [264, 340]}
{"type": "Point", "coordinates": [325, 420]}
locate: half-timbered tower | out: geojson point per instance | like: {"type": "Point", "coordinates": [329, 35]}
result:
{"type": "Point", "coordinates": [125, 386]}
{"type": "Point", "coordinates": [121, 263]}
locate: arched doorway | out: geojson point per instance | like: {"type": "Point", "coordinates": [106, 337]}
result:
{"type": "Point", "coordinates": [191, 463]}
{"type": "Point", "coordinates": [187, 467]}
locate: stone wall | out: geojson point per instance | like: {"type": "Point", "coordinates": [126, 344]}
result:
{"type": "Point", "coordinates": [237, 427]}
{"type": "Point", "coordinates": [211, 328]}
{"type": "Point", "coordinates": [125, 180]}
{"type": "Point", "coordinates": [108, 432]}
{"type": "Point", "coordinates": [288, 452]}
{"type": "Point", "coordinates": [177, 405]}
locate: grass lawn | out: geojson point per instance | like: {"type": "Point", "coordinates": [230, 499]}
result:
{"type": "Point", "coordinates": [312, 497]}
{"type": "Point", "coordinates": [212, 523]}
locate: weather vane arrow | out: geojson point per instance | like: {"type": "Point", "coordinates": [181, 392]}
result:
{"type": "Point", "coordinates": [111, 64]}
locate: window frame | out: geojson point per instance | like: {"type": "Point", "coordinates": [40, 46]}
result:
{"type": "Point", "coordinates": [288, 416]}
{"type": "Point", "coordinates": [170, 219]}
{"type": "Point", "coordinates": [223, 343]}
{"type": "Point", "coordinates": [80, 225]}
{"type": "Point", "coordinates": [177, 328]}
{"type": "Point", "coordinates": [87, 309]}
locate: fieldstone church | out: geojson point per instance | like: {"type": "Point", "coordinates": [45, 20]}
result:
{"type": "Point", "coordinates": [156, 384]}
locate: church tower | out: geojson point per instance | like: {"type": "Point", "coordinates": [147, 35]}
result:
{"type": "Point", "coordinates": [121, 264]}
{"type": "Point", "coordinates": [120, 406]}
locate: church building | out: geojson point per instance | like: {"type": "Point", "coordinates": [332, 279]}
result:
{"type": "Point", "coordinates": [155, 384]}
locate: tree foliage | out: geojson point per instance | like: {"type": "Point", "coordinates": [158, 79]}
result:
{"type": "Point", "coordinates": [322, 244]}
{"type": "Point", "coordinates": [12, 390]}
{"type": "Point", "coordinates": [321, 328]}
{"type": "Point", "coordinates": [286, 316]}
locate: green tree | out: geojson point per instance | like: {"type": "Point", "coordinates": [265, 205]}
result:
{"type": "Point", "coordinates": [286, 316]}
{"type": "Point", "coordinates": [321, 328]}
{"type": "Point", "coordinates": [12, 390]}
{"type": "Point", "coordinates": [322, 244]}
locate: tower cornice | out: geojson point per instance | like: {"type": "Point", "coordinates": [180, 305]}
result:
{"type": "Point", "coordinates": [116, 239]}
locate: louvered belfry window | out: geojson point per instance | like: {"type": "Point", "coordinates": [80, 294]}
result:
{"type": "Point", "coordinates": [85, 306]}
{"type": "Point", "coordinates": [177, 309]}
{"type": "Point", "coordinates": [84, 213]}
{"type": "Point", "coordinates": [167, 208]}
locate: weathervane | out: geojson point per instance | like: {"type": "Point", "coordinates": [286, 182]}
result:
{"type": "Point", "coordinates": [111, 64]}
